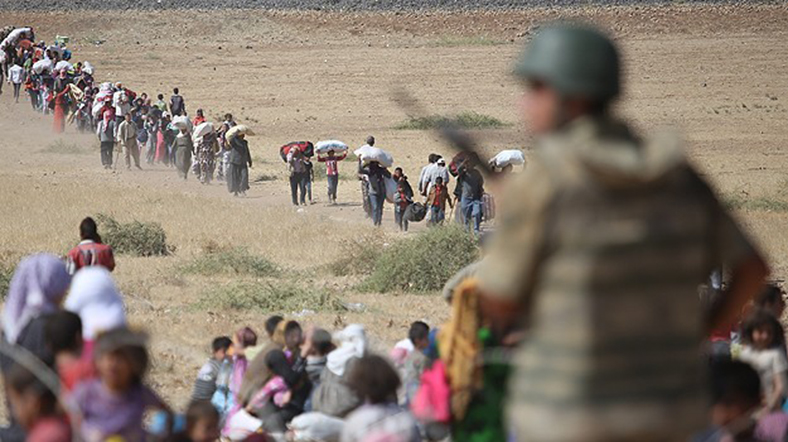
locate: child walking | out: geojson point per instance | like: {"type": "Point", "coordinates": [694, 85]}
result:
{"type": "Point", "coordinates": [402, 199]}
{"type": "Point", "coordinates": [436, 201]}
{"type": "Point", "coordinates": [332, 173]}
{"type": "Point", "coordinates": [114, 405]}
{"type": "Point", "coordinates": [764, 349]}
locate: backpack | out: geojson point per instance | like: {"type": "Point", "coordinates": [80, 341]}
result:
{"type": "Point", "coordinates": [415, 212]}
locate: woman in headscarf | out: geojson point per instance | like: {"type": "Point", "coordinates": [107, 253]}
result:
{"type": "Point", "coordinates": [334, 397]}
{"type": "Point", "coordinates": [61, 100]}
{"type": "Point", "coordinates": [107, 132]}
{"type": "Point", "coordinates": [162, 154]}
{"type": "Point", "coordinates": [95, 298]}
{"type": "Point", "coordinates": [36, 290]}
{"type": "Point", "coordinates": [184, 149]}
{"type": "Point", "coordinates": [239, 162]}
{"type": "Point", "coordinates": [207, 148]}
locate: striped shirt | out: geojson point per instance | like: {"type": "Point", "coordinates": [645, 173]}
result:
{"type": "Point", "coordinates": [205, 385]}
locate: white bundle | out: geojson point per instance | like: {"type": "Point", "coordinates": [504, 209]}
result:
{"type": "Point", "coordinates": [63, 65]}
{"type": "Point", "coordinates": [505, 158]}
{"type": "Point", "coordinates": [369, 154]}
{"type": "Point", "coordinates": [324, 147]}
{"type": "Point", "coordinates": [105, 87]}
{"type": "Point", "coordinates": [87, 68]}
{"type": "Point", "coordinates": [182, 122]}
{"type": "Point", "coordinates": [201, 130]}
{"type": "Point", "coordinates": [97, 105]}
{"type": "Point", "coordinates": [316, 427]}
{"type": "Point", "coordinates": [13, 38]}
{"type": "Point", "coordinates": [239, 129]}
{"type": "Point", "coordinates": [42, 66]}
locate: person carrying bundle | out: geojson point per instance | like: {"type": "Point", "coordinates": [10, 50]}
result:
{"type": "Point", "coordinates": [332, 173]}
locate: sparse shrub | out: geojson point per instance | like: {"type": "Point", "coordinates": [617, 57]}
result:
{"type": "Point", "coordinates": [423, 262]}
{"type": "Point", "coordinates": [231, 260]}
{"type": "Point", "coordinates": [464, 120]}
{"type": "Point", "coordinates": [762, 204]}
{"type": "Point", "coordinates": [264, 177]}
{"type": "Point", "coordinates": [6, 273]}
{"type": "Point", "coordinates": [267, 296]}
{"type": "Point", "coordinates": [358, 255]}
{"type": "Point", "coordinates": [134, 238]}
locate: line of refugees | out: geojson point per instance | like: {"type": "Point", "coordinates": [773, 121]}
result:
{"type": "Point", "coordinates": [467, 201]}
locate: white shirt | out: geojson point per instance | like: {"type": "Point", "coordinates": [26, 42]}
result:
{"type": "Point", "coordinates": [767, 363]}
{"type": "Point", "coordinates": [121, 107]}
{"type": "Point", "coordinates": [434, 172]}
{"type": "Point", "coordinates": [16, 74]}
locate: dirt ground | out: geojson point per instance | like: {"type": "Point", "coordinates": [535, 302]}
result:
{"type": "Point", "coordinates": [714, 72]}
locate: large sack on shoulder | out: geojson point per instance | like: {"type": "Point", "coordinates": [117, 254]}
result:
{"type": "Point", "coordinates": [182, 122]}
{"type": "Point", "coordinates": [316, 427]}
{"type": "Point", "coordinates": [202, 130]}
{"type": "Point", "coordinates": [505, 158]}
{"type": "Point", "coordinates": [374, 154]}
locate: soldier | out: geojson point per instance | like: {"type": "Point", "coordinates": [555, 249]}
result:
{"type": "Point", "coordinates": [601, 248]}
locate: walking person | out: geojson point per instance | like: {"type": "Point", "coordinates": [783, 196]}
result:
{"type": "Point", "coordinates": [376, 176]}
{"type": "Point", "coordinates": [425, 171]}
{"type": "Point", "coordinates": [298, 175]}
{"type": "Point", "coordinates": [599, 253]}
{"type": "Point", "coordinates": [127, 138]}
{"type": "Point", "coordinates": [309, 176]}
{"type": "Point", "coordinates": [107, 134]}
{"type": "Point", "coordinates": [471, 197]}
{"type": "Point", "coordinates": [224, 152]}
{"type": "Point", "coordinates": [332, 173]}
{"type": "Point", "coordinates": [177, 105]}
{"type": "Point", "coordinates": [33, 88]}
{"type": "Point", "coordinates": [237, 175]}
{"type": "Point", "coordinates": [152, 129]}
{"type": "Point", "coordinates": [61, 101]}
{"type": "Point", "coordinates": [16, 75]}
{"type": "Point", "coordinates": [207, 149]}
{"type": "Point", "coordinates": [402, 199]}
{"type": "Point", "coordinates": [184, 149]}
{"type": "Point", "coordinates": [436, 201]}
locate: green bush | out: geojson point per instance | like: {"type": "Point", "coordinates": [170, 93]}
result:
{"type": "Point", "coordinates": [423, 262]}
{"type": "Point", "coordinates": [235, 260]}
{"type": "Point", "coordinates": [267, 296]}
{"type": "Point", "coordinates": [464, 120]}
{"type": "Point", "coordinates": [135, 238]}
{"type": "Point", "coordinates": [358, 255]}
{"type": "Point", "coordinates": [6, 273]}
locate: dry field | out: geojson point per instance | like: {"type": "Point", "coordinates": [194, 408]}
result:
{"type": "Point", "coordinates": [716, 73]}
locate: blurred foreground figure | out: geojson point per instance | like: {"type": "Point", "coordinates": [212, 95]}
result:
{"type": "Point", "coordinates": [602, 245]}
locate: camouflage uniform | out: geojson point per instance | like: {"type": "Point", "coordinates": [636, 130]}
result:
{"type": "Point", "coordinates": [603, 241]}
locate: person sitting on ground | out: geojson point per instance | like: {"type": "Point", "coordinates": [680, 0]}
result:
{"type": "Point", "coordinates": [63, 334]}
{"type": "Point", "coordinates": [90, 251]}
{"type": "Point", "coordinates": [436, 201]}
{"type": "Point", "coordinates": [764, 348]}
{"type": "Point", "coordinates": [97, 301]}
{"type": "Point", "coordinates": [317, 357]}
{"type": "Point", "coordinates": [35, 407]}
{"type": "Point", "coordinates": [334, 397]}
{"type": "Point", "coordinates": [205, 385]}
{"type": "Point", "coordinates": [772, 300]}
{"type": "Point", "coordinates": [376, 381]}
{"type": "Point", "coordinates": [177, 105]}
{"type": "Point", "coordinates": [202, 423]}
{"type": "Point", "coordinates": [114, 405]}
{"type": "Point", "coordinates": [735, 399]}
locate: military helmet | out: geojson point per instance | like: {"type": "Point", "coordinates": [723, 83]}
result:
{"type": "Point", "coordinates": [575, 60]}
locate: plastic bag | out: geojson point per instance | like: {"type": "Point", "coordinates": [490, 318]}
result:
{"type": "Point", "coordinates": [316, 427]}
{"type": "Point", "coordinates": [505, 158]}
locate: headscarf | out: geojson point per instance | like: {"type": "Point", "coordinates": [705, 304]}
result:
{"type": "Point", "coordinates": [258, 373]}
{"type": "Point", "coordinates": [352, 344]}
{"type": "Point", "coordinates": [38, 286]}
{"type": "Point", "coordinates": [97, 301]}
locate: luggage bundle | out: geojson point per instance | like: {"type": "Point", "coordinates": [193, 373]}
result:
{"type": "Point", "coordinates": [512, 157]}
{"type": "Point", "coordinates": [324, 147]}
{"type": "Point", "coordinates": [306, 148]}
{"type": "Point", "coordinates": [369, 154]}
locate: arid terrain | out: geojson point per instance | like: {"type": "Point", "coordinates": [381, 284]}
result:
{"type": "Point", "coordinates": [716, 73]}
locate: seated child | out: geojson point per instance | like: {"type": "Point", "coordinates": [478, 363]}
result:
{"type": "Point", "coordinates": [413, 366]}
{"type": "Point", "coordinates": [380, 419]}
{"type": "Point", "coordinates": [320, 346]}
{"type": "Point", "coordinates": [736, 397]}
{"type": "Point", "coordinates": [763, 348]}
{"type": "Point", "coordinates": [205, 385]}
{"type": "Point", "coordinates": [276, 388]}
{"type": "Point", "coordinates": [63, 336]}
{"type": "Point", "coordinates": [202, 422]}
{"type": "Point", "coordinates": [405, 347]}
{"type": "Point", "coordinates": [114, 404]}
{"type": "Point", "coordinates": [35, 407]}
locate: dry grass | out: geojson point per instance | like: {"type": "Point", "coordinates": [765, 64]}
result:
{"type": "Point", "coordinates": [311, 85]}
